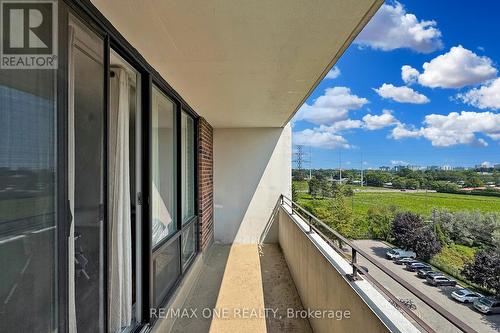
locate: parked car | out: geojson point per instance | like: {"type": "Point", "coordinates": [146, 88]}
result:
{"type": "Point", "coordinates": [440, 280]}
{"type": "Point", "coordinates": [487, 305]}
{"type": "Point", "coordinates": [465, 295]}
{"type": "Point", "coordinates": [402, 261]}
{"type": "Point", "coordinates": [399, 253]}
{"type": "Point", "coordinates": [424, 273]}
{"type": "Point", "coordinates": [415, 266]}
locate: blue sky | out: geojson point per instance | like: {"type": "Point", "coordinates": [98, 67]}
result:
{"type": "Point", "coordinates": [420, 85]}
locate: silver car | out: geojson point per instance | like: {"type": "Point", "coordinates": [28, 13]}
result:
{"type": "Point", "coordinates": [465, 295]}
{"type": "Point", "coordinates": [487, 305]}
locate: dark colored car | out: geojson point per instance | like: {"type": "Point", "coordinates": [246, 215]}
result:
{"type": "Point", "coordinates": [425, 272]}
{"type": "Point", "coordinates": [402, 261]}
{"type": "Point", "coordinates": [413, 267]}
{"type": "Point", "coordinates": [440, 280]}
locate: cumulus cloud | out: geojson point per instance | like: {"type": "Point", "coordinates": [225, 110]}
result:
{"type": "Point", "coordinates": [457, 68]}
{"type": "Point", "coordinates": [454, 128]}
{"type": "Point", "coordinates": [330, 136]}
{"type": "Point", "coordinates": [485, 97]}
{"type": "Point", "coordinates": [401, 94]}
{"type": "Point", "coordinates": [332, 106]}
{"type": "Point", "coordinates": [321, 139]}
{"type": "Point", "coordinates": [393, 28]}
{"type": "Point", "coordinates": [409, 74]}
{"type": "Point", "coordinates": [333, 73]}
{"type": "Point", "coordinates": [399, 162]}
{"type": "Point", "coordinates": [342, 125]}
{"type": "Point", "coordinates": [373, 122]}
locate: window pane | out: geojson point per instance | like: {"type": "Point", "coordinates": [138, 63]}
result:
{"type": "Point", "coordinates": [188, 243]}
{"type": "Point", "coordinates": [166, 270]}
{"type": "Point", "coordinates": [163, 167]}
{"type": "Point", "coordinates": [187, 166]}
{"type": "Point", "coordinates": [28, 245]}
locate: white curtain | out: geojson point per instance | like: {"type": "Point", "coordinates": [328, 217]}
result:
{"type": "Point", "coordinates": [120, 281]}
{"type": "Point", "coordinates": [71, 180]}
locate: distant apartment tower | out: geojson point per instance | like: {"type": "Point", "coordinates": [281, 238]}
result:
{"type": "Point", "coordinates": [446, 167]}
{"type": "Point", "coordinates": [384, 168]}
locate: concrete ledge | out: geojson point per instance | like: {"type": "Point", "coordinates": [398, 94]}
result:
{"type": "Point", "coordinates": [319, 275]}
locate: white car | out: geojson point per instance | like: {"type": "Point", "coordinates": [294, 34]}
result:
{"type": "Point", "coordinates": [465, 295]}
{"type": "Point", "coordinates": [399, 253]}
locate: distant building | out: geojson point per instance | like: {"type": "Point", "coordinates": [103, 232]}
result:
{"type": "Point", "coordinates": [399, 167]}
{"type": "Point", "coordinates": [384, 168]}
{"type": "Point", "coordinates": [446, 168]}
{"type": "Point", "coordinates": [433, 167]}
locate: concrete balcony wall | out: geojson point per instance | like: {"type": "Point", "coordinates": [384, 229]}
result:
{"type": "Point", "coordinates": [252, 168]}
{"type": "Point", "coordinates": [319, 276]}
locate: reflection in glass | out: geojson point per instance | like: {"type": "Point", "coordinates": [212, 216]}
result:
{"type": "Point", "coordinates": [166, 270]}
{"type": "Point", "coordinates": [85, 178]}
{"type": "Point", "coordinates": [163, 167]}
{"type": "Point", "coordinates": [188, 243]}
{"type": "Point", "coordinates": [187, 166]}
{"type": "Point", "coordinates": [28, 262]}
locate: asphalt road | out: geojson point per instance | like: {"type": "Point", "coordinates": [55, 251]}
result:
{"type": "Point", "coordinates": [441, 295]}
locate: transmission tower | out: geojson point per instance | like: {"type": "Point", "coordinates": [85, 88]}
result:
{"type": "Point", "coordinates": [299, 155]}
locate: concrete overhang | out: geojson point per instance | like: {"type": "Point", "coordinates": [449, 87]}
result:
{"type": "Point", "coordinates": [241, 63]}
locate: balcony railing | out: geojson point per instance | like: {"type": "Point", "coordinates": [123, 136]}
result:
{"type": "Point", "coordinates": [337, 242]}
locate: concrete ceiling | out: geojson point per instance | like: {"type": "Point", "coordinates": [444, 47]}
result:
{"type": "Point", "coordinates": [241, 63]}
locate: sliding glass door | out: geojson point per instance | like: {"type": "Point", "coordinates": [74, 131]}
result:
{"type": "Point", "coordinates": [86, 178]}
{"type": "Point", "coordinates": [28, 228]}
{"type": "Point", "coordinates": [78, 251]}
{"type": "Point", "coordinates": [124, 186]}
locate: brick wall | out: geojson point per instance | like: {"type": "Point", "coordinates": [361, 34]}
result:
{"type": "Point", "coordinates": [205, 184]}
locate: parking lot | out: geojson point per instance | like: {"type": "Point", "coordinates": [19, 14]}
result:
{"type": "Point", "coordinates": [441, 295]}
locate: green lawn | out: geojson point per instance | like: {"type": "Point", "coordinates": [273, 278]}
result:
{"type": "Point", "coordinates": [421, 203]}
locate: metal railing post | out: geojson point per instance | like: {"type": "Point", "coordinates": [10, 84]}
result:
{"type": "Point", "coordinates": [354, 276]}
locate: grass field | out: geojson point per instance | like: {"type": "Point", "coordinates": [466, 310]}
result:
{"type": "Point", "coordinates": [421, 203]}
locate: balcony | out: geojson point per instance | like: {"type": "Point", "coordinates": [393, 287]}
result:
{"type": "Point", "coordinates": [269, 287]}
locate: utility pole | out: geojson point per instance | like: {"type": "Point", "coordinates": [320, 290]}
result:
{"type": "Point", "coordinates": [310, 163]}
{"type": "Point", "coordinates": [361, 169]}
{"type": "Point", "coordinates": [340, 165]}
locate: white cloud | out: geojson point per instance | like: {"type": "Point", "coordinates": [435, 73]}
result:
{"type": "Point", "coordinates": [334, 105]}
{"type": "Point", "coordinates": [485, 97]}
{"type": "Point", "coordinates": [333, 73]}
{"type": "Point", "coordinates": [458, 68]}
{"type": "Point", "coordinates": [399, 162]}
{"type": "Point", "coordinates": [342, 125]}
{"type": "Point", "coordinates": [409, 74]}
{"type": "Point", "coordinates": [454, 128]}
{"type": "Point", "coordinates": [393, 28]}
{"type": "Point", "coordinates": [320, 139]}
{"type": "Point", "coordinates": [401, 94]}
{"type": "Point", "coordinates": [487, 164]}
{"type": "Point", "coordinates": [403, 131]}
{"type": "Point", "coordinates": [373, 122]}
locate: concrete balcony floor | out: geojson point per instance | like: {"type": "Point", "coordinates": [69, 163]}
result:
{"type": "Point", "coordinates": [241, 278]}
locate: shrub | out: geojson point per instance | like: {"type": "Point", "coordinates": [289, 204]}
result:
{"type": "Point", "coordinates": [485, 269]}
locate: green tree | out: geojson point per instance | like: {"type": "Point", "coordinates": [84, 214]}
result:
{"type": "Point", "coordinates": [314, 187]}
{"type": "Point", "coordinates": [341, 217]}
{"type": "Point", "coordinates": [380, 221]}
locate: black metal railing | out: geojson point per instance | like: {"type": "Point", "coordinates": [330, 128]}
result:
{"type": "Point", "coordinates": [336, 241]}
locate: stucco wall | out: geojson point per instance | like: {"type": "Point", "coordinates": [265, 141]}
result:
{"type": "Point", "coordinates": [252, 167]}
{"type": "Point", "coordinates": [320, 282]}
